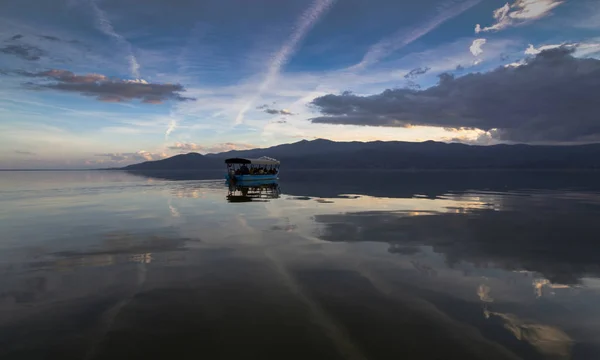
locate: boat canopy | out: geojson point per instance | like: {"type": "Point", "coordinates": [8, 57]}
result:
{"type": "Point", "coordinates": [260, 161]}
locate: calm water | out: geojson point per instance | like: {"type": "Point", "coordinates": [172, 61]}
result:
{"type": "Point", "coordinates": [383, 265]}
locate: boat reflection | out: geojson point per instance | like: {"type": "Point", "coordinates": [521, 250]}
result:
{"type": "Point", "coordinates": [253, 191]}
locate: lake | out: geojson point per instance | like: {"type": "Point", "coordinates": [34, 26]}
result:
{"type": "Point", "coordinates": [330, 265]}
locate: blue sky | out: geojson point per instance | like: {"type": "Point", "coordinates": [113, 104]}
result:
{"type": "Point", "coordinates": [93, 83]}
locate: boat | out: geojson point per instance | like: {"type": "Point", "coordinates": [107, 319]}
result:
{"type": "Point", "coordinates": [250, 170]}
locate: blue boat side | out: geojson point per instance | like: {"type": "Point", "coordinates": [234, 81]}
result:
{"type": "Point", "coordinates": [252, 177]}
{"type": "Point", "coordinates": [252, 170]}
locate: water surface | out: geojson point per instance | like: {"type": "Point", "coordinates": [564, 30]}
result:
{"type": "Point", "coordinates": [333, 265]}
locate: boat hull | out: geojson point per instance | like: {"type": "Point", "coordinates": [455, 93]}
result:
{"type": "Point", "coordinates": [249, 178]}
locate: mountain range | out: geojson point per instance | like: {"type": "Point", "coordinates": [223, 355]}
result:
{"type": "Point", "coordinates": [326, 154]}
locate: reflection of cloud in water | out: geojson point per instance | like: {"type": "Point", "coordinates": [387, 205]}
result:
{"type": "Point", "coordinates": [557, 240]}
{"type": "Point", "coordinates": [548, 340]}
{"type": "Point", "coordinates": [324, 201]}
{"type": "Point", "coordinates": [404, 250]}
{"type": "Point", "coordinates": [483, 291]}
{"type": "Point", "coordinates": [424, 269]}
{"type": "Point", "coordinates": [287, 228]}
{"type": "Point", "coordinates": [141, 258]}
{"type": "Point", "coordinates": [117, 248]}
{"type": "Point", "coordinates": [173, 210]}
{"type": "Point", "coordinates": [540, 284]}
{"type": "Point", "coordinates": [198, 189]}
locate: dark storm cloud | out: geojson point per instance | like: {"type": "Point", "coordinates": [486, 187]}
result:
{"type": "Point", "coordinates": [27, 52]}
{"type": "Point", "coordinates": [416, 72]}
{"type": "Point", "coordinates": [16, 37]}
{"type": "Point", "coordinates": [107, 89]}
{"type": "Point", "coordinates": [551, 97]}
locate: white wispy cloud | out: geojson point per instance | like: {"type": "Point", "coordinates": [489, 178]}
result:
{"type": "Point", "coordinates": [580, 49]}
{"type": "Point", "coordinates": [106, 27]}
{"type": "Point", "coordinates": [532, 50]}
{"type": "Point", "coordinates": [141, 155]}
{"type": "Point", "coordinates": [172, 126]}
{"type": "Point", "coordinates": [475, 48]}
{"type": "Point", "coordinates": [304, 24]}
{"type": "Point", "coordinates": [519, 12]}
{"type": "Point", "coordinates": [404, 37]}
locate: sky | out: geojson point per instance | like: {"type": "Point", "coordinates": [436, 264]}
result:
{"type": "Point", "coordinates": [99, 83]}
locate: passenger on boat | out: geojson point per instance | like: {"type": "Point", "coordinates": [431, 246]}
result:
{"type": "Point", "coordinates": [244, 170]}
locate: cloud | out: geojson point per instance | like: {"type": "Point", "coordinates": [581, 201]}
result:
{"type": "Point", "coordinates": [141, 155]}
{"type": "Point", "coordinates": [475, 48]}
{"type": "Point", "coordinates": [170, 128]}
{"type": "Point", "coordinates": [579, 49]}
{"type": "Point", "coordinates": [405, 36]}
{"type": "Point", "coordinates": [215, 148]}
{"type": "Point", "coordinates": [412, 85]}
{"type": "Point", "coordinates": [107, 89]}
{"type": "Point", "coordinates": [186, 147]}
{"type": "Point", "coordinates": [15, 37]}
{"type": "Point", "coordinates": [67, 76]}
{"type": "Point", "coordinates": [550, 98]}
{"type": "Point", "coordinates": [50, 37]}
{"type": "Point", "coordinates": [24, 51]}
{"type": "Point", "coordinates": [106, 27]}
{"type": "Point", "coordinates": [531, 50]}
{"type": "Point", "coordinates": [277, 111]}
{"type": "Point", "coordinates": [21, 152]}
{"type": "Point", "coordinates": [416, 72]}
{"type": "Point", "coordinates": [521, 11]}
{"type": "Point", "coordinates": [305, 23]}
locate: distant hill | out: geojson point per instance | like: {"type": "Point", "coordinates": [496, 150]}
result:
{"type": "Point", "coordinates": [300, 148]}
{"type": "Point", "coordinates": [325, 154]}
{"type": "Point", "coordinates": [178, 162]}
